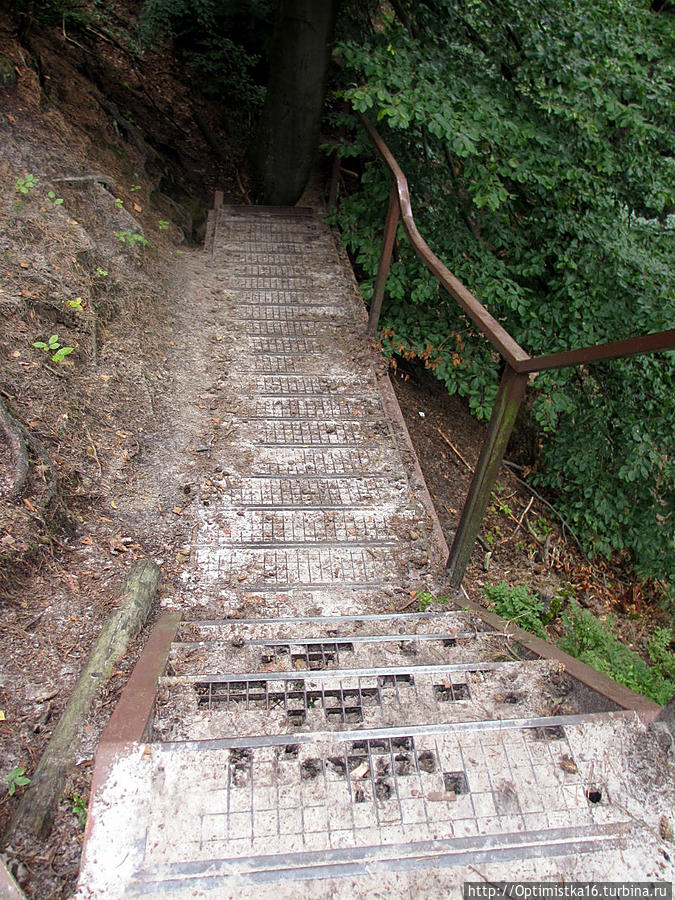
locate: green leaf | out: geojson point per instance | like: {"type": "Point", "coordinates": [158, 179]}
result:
{"type": "Point", "coordinates": [62, 353]}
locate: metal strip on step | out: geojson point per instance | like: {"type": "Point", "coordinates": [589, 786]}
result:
{"type": "Point", "coordinates": [362, 861]}
{"type": "Point", "coordinates": [375, 734]}
{"type": "Point", "coordinates": [322, 674]}
{"type": "Point", "coordinates": [352, 639]}
{"type": "Point", "coordinates": [285, 620]}
{"type": "Point", "coordinates": [302, 545]}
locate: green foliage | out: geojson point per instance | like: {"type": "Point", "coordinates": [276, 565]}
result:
{"type": "Point", "coordinates": [16, 778]}
{"type": "Point", "coordinates": [163, 225]}
{"type": "Point", "coordinates": [119, 203]}
{"type": "Point", "coordinates": [53, 346]}
{"type": "Point", "coordinates": [76, 304]}
{"type": "Point", "coordinates": [222, 42]}
{"type": "Point", "coordinates": [79, 808]}
{"type": "Point", "coordinates": [593, 642]}
{"type": "Point", "coordinates": [662, 657]}
{"type": "Point", "coordinates": [48, 12]}
{"type": "Point", "coordinates": [132, 238]}
{"type": "Point", "coordinates": [53, 199]}
{"type": "Point", "coordinates": [26, 184]}
{"type": "Point", "coordinates": [517, 604]}
{"type": "Point", "coordinates": [425, 599]}
{"type": "Point", "coordinates": [537, 142]}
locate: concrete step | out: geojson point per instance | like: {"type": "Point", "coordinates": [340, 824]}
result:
{"type": "Point", "coordinates": [332, 814]}
{"type": "Point", "coordinates": [207, 707]}
{"type": "Point", "coordinates": [313, 643]}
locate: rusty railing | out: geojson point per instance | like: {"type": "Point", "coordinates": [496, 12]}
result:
{"type": "Point", "coordinates": [518, 363]}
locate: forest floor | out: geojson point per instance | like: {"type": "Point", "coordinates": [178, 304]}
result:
{"type": "Point", "coordinates": [105, 429]}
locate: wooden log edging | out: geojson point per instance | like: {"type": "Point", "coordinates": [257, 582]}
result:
{"type": "Point", "coordinates": [38, 804]}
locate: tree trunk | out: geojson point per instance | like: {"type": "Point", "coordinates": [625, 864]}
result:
{"type": "Point", "coordinates": [282, 154]}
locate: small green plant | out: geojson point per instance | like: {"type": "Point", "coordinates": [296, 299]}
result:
{"type": "Point", "coordinates": [131, 237]}
{"type": "Point", "coordinates": [593, 642]}
{"type": "Point", "coordinates": [163, 225]}
{"type": "Point", "coordinates": [501, 506]}
{"type": "Point", "coordinates": [119, 203]}
{"type": "Point", "coordinates": [53, 199]}
{"type": "Point", "coordinates": [26, 184]}
{"type": "Point", "coordinates": [76, 304]}
{"type": "Point", "coordinates": [101, 273]}
{"type": "Point", "coordinates": [518, 605]}
{"type": "Point", "coordinates": [17, 778]}
{"type": "Point", "coordinates": [53, 346]}
{"type": "Point", "coordinates": [541, 528]}
{"type": "Point", "coordinates": [80, 808]}
{"type": "Point", "coordinates": [662, 657]}
{"type": "Point", "coordinates": [135, 187]}
{"type": "Point", "coordinates": [424, 600]}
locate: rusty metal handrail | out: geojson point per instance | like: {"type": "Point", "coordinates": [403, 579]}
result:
{"type": "Point", "coordinates": [519, 364]}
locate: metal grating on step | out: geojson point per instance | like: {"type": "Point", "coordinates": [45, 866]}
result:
{"type": "Point", "coordinates": [324, 461]}
{"type": "Point", "coordinates": [341, 701]}
{"type": "Point", "coordinates": [318, 407]}
{"type": "Point", "coordinates": [335, 793]}
{"type": "Point", "coordinates": [281, 568]}
{"type": "Point", "coordinates": [273, 526]}
{"type": "Point", "coordinates": [312, 491]}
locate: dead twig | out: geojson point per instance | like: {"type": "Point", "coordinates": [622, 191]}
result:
{"type": "Point", "coordinates": [525, 512]}
{"type": "Point", "coordinates": [94, 453]}
{"type": "Point", "coordinates": [564, 523]}
{"type": "Point", "coordinates": [455, 450]}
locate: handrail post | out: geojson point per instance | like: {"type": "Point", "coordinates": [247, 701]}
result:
{"type": "Point", "coordinates": [504, 412]}
{"type": "Point", "coordinates": [385, 259]}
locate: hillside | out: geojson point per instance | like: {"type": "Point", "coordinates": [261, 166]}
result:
{"type": "Point", "coordinates": [110, 160]}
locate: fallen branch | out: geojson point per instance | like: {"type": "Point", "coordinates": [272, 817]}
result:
{"type": "Point", "coordinates": [14, 437]}
{"type": "Point", "coordinates": [38, 804]}
{"type": "Point", "coordinates": [565, 524]}
{"type": "Point", "coordinates": [455, 450]}
{"type": "Point", "coordinates": [524, 513]}
{"type": "Point", "coordinates": [86, 179]}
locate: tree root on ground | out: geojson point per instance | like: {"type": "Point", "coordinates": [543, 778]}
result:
{"type": "Point", "coordinates": [13, 433]}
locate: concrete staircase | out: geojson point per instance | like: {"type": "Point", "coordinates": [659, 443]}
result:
{"type": "Point", "coordinates": [314, 737]}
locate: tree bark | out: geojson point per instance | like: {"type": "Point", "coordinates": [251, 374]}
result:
{"type": "Point", "coordinates": [36, 810]}
{"type": "Point", "coordinates": [284, 147]}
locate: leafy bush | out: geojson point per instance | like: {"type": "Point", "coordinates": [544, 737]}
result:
{"type": "Point", "coordinates": [204, 31]}
{"type": "Point", "coordinates": [593, 642]}
{"type": "Point", "coordinates": [536, 139]}
{"type": "Point", "coordinates": [518, 605]}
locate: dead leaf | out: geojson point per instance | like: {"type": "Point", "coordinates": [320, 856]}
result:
{"type": "Point", "coordinates": [24, 265]}
{"type": "Point", "coordinates": [113, 504]}
{"type": "Point", "coordinates": [567, 764]}
{"type": "Point", "coordinates": [361, 771]}
{"type": "Point", "coordinates": [29, 504]}
{"type": "Point", "coordinates": [178, 510]}
{"type": "Point", "coordinates": [116, 544]}
{"type": "Point", "coordinates": [138, 208]}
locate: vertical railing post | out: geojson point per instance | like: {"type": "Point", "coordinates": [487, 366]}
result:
{"type": "Point", "coordinates": [385, 259]}
{"type": "Point", "coordinates": [504, 412]}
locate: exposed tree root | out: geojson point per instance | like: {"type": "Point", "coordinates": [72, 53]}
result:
{"type": "Point", "coordinates": [14, 436]}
